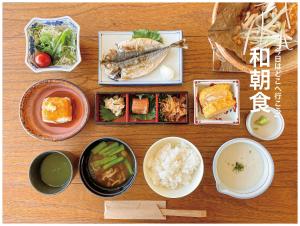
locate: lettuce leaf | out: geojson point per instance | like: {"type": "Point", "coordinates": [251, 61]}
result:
{"type": "Point", "coordinates": [144, 33]}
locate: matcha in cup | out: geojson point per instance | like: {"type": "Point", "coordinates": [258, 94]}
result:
{"type": "Point", "coordinates": [51, 172]}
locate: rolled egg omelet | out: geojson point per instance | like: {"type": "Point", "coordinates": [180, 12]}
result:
{"type": "Point", "coordinates": [216, 99]}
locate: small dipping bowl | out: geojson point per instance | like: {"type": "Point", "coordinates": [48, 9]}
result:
{"type": "Point", "coordinates": [243, 168]}
{"type": "Point", "coordinates": [272, 130]}
{"type": "Point", "coordinates": [87, 178]}
{"type": "Point", "coordinates": [35, 174]}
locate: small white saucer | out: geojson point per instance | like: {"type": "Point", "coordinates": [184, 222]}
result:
{"type": "Point", "coordinates": [277, 131]}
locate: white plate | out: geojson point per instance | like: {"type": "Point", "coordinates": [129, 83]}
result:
{"type": "Point", "coordinates": [182, 191]}
{"type": "Point", "coordinates": [108, 40]}
{"type": "Point", "coordinates": [231, 117]}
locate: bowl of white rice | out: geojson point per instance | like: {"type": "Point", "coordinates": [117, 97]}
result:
{"type": "Point", "coordinates": [173, 167]}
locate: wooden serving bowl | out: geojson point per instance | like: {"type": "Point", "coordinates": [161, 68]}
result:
{"type": "Point", "coordinates": [288, 58]}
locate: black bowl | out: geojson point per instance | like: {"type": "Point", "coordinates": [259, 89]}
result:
{"type": "Point", "coordinates": [91, 184]}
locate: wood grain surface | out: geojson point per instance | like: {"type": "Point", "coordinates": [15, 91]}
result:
{"type": "Point", "coordinates": [21, 203]}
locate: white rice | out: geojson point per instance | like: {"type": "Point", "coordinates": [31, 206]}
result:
{"type": "Point", "coordinates": [173, 165]}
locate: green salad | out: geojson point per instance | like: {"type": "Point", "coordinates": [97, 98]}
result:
{"type": "Point", "coordinates": [59, 42]}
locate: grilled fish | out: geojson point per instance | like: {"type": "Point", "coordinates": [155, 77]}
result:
{"type": "Point", "coordinates": [136, 57]}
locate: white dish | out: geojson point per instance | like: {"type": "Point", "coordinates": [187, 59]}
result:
{"type": "Point", "coordinates": [230, 117]}
{"type": "Point", "coordinates": [183, 190]}
{"type": "Point", "coordinates": [270, 131]}
{"type": "Point", "coordinates": [256, 175]}
{"type": "Point", "coordinates": [29, 45]}
{"type": "Point", "coordinates": [108, 40]}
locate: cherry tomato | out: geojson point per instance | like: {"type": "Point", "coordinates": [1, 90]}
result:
{"type": "Point", "coordinates": [42, 59]}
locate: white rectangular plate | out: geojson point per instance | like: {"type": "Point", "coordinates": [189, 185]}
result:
{"type": "Point", "coordinates": [230, 117]}
{"type": "Point", "coordinates": [108, 39]}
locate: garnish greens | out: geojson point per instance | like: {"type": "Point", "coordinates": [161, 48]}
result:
{"type": "Point", "coordinates": [263, 120]}
{"type": "Point", "coordinates": [106, 114]}
{"type": "Point", "coordinates": [151, 114]}
{"type": "Point", "coordinates": [58, 41]}
{"type": "Point", "coordinates": [144, 33]}
{"type": "Point", "coordinates": [238, 167]}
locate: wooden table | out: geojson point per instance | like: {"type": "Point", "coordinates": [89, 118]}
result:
{"type": "Point", "coordinates": [22, 203]}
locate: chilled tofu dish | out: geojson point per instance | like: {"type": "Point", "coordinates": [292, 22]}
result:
{"type": "Point", "coordinates": [57, 110]}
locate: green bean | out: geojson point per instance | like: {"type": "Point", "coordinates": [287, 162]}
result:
{"type": "Point", "coordinates": [107, 153]}
{"type": "Point", "coordinates": [99, 147]}
{"type": "Point", "coordinates": [109, 147]}
{"type": "Point", "coordinates": [114, 151]}
{"type": "Point", "coordinates": [101, 162]}
{"type": "Point", "coordinates": [113, 162]}
{"type": "Point", "coordinates": [128, 166]}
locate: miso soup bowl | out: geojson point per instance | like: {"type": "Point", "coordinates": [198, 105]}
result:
{"type": "Point", "coordinates": [91, 184]}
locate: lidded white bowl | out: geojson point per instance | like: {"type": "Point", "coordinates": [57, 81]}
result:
{"type": "Point", "coordinates": [263, 182]}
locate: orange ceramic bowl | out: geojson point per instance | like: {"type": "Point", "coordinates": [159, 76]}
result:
{"type": "Point", "coordinates": [288, 58]}
{"type": "Point", "coordinates": [31, 105]}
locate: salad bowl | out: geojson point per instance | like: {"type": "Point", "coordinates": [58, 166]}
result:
{"type": "Point", "coordinates": [31, 49]}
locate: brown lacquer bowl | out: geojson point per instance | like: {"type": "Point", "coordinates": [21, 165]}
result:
{"type": "Point", "coordinates": [31, 104]}
{"type": "Point", "coordinates": [288, 58]}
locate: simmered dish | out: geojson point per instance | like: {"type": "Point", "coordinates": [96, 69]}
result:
{"type": "Point", "coordinates": [57, 110]}
{"type": "Point", "coordinates": [110, 164]}
{"type": "Point", "coordinates": [172, 108]}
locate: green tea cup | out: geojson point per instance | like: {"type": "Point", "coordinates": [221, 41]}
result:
{"type": "Point", "coordinates": [51, 172]}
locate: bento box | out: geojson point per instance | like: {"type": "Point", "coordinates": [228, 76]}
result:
{"type": "Point", "coordinates": [221, 102]}
{"type": "Point", "coordinates": [110, 41]}
{"type": "Point", "coordinates": [141, 108]}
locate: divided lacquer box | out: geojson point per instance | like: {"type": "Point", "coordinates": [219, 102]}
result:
{"type": "Point", "coordinates": [128, 117]}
